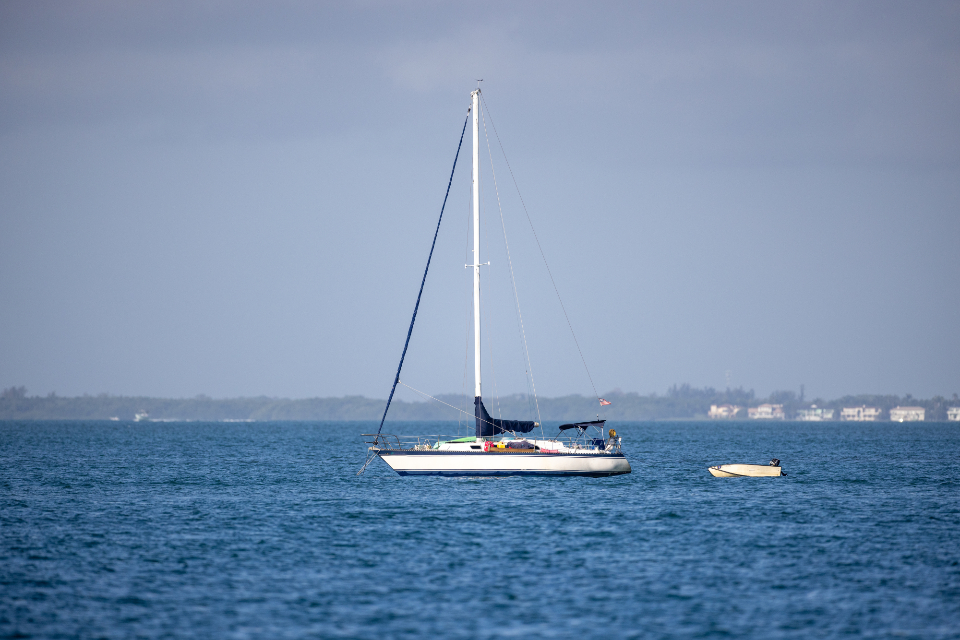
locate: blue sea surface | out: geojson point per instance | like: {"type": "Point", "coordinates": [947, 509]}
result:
{"type": "Point", "coordinates": [264, 530]}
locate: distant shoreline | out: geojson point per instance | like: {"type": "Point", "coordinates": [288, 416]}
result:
{"type": "Point", "coordinates": [680, 403]}
{"type": "Point", "coordinates": [547, 423]}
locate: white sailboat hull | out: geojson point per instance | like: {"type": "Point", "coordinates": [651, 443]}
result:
{"type": "Point", "coordinates": [443, 463]}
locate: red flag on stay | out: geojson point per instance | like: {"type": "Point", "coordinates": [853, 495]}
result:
{"type": "Point", "coordinates": [603, 402]}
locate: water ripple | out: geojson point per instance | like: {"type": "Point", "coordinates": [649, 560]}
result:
{"type": "Point", "coordinates": [263, 530]}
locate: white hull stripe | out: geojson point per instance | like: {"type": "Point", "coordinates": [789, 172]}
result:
{"type": "Point", "coordinates": [475, 474]}
{"type": "Point", "coordinates": [538, 454]}
{"type": "Point", "coordinates": [455, 463]}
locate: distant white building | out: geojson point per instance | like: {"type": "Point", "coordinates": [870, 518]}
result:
{"type": "Point", "coordinates": [907, 414]}
{"type": "Point", "coordinates": [815, 414]}
{"type": "Point", "coordinates": [723, 411]}
{"type": "Point", "coordinates": [766, 412]}
{"type": "Point", "coordinates": [953, 414]}
{"type": "Point", "coordinates": [860, 414]}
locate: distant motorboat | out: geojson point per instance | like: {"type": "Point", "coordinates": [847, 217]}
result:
{"type": "Point", "coordinates": [141, 416]}
{"type": "Point", "coordinates": [747, 470]}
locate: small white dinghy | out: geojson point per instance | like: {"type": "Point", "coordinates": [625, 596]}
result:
{"type": "Point", "coordinates": [747, 470]}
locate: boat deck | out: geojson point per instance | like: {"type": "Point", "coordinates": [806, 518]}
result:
{"type": "Point", "coordinates": [439, 444]}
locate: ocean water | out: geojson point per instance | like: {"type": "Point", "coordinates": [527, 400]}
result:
{"type": "Point", "coordinates": [263, 530]}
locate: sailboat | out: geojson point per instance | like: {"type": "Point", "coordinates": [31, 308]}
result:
{"type": "Point", "coordinates": [499, 447]}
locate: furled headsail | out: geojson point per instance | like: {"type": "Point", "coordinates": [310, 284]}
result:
{"type": "Point", "coordinates": [487, 426]}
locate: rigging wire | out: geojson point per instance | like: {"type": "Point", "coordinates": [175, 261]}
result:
{"type": "Point", "coordinates": [427, 395]}
{"type": "Point", "coordinates": [542, 255]}
{"type": "Point", "coordinates": [513, 281]}
{"type": "Point", "coordinates": [483, 230]}
{"type": "Point", "coordinates": [468, 300]}
{"type": "Point", "coordinates": [424, 280]}
{"type": "Point", "coordinates": [493, 370]}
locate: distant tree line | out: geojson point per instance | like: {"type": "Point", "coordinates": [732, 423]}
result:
{"type": "Point", "coordinates": [679, 402]}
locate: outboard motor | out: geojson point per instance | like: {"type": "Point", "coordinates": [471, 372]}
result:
{"type": "Point", "coordinates": [774, 462]}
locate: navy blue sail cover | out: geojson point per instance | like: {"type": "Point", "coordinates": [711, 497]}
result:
{"type": "Point", "coordinates": [487, 426]}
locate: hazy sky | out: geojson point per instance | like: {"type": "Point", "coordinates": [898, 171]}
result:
{"type": "Point", "coordinates": [237, 198]}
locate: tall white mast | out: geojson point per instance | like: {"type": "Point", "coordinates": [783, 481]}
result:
{"type": "Point", "coordinates": [476, 241]}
